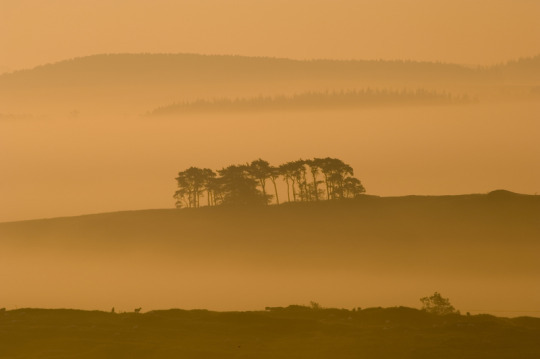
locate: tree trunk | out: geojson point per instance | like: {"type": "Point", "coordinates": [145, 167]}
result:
{"type": "Point", "coordinates": [315, 189]}
{"type": "Point", "coordinates": [288, 189]}
{"type": "Point", "coordinates": [327, 186]}
{"type": "Point", "coordinates": [263, 185]}
{"type": "Point", "coordinates": [275, 190]}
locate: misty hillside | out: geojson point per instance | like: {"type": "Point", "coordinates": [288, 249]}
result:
{"type": "Point", "coordinates": [481, 250]}
{"type": "Point", "coordinates": [292, 332]}
{"type": "Point", "coordinates": [137, 82]}
{"type": "Point", "coordinates": [485, 234]}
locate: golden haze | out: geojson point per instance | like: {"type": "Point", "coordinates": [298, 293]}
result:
{"type": "Point", "coordinates": [471, 32]}
{"type": "Point", "coordinates": [80, 136]}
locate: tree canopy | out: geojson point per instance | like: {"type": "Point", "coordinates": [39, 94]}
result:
{"type": "Point", "coordinates": [436, 304]}
{"type": "Point", "coordinates": [306, 180]}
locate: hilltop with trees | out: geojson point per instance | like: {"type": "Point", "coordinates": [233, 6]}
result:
{"type": "Point", "coordinates": [306, 180]}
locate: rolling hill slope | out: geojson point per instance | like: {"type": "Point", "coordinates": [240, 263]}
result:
{"type": "Point", "coordinates": [497, 230]}
{"type": "Point", "coordinates": [401, 245]}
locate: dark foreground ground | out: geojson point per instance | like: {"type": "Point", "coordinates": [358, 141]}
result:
{"type": "Point", "coordinates": [293, 332]}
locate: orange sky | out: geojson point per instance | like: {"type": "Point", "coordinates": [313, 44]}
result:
{"type": "Point", "coordinates": [34, 32]}
{"type": "Point", "coordinates": [469, 150]}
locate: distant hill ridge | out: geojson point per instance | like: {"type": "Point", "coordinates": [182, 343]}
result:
{"type": "Point", "coordinates": [138, 82]}
{"type": "Point", "coordinates": [164, 69]}
{"type": "Point", "coordinates": [157, 63]}
{"type": "Point", "coordinates": [183, 63]}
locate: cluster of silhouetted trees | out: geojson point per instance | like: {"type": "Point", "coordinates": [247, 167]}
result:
{"type": "Point", "coordinates": [306, 100]}
{"type": "Point", "coordinates": [306, 180]}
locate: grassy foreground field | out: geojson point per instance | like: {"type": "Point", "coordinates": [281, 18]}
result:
{"type": "Point", "coordinates": [292, 332]}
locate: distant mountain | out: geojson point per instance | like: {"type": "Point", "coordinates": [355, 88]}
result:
{"type": "Point", "coordinates": [133, 83]}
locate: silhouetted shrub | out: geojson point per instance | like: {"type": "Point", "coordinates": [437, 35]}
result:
{"type": "Point", "coordinates": [436, 304]}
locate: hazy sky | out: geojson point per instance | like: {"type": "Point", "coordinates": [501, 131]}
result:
{"type": "Point", "coordinates": [34, 32]}
{"type": "Point", "coordinates": [97, 166]}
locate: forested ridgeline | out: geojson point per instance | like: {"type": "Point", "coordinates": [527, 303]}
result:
{"type": "Point", "coordinates": [306, 180]}
{"type": "Point", "coordinates": [349, 99]}
{"type": "Point", "coordinates": [174, 67]}
{"type": "Point", "coordinates": [136, 83]}
{"type": "Point", "coordinates": [182, 66]}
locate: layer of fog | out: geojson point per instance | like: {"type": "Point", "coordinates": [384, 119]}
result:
{"type": "Point", "coordinates": [62, 280]}
{"type": "Point", "coordinates": [68, 166]}
{"type": "Point", "coordinates": [481, 251]}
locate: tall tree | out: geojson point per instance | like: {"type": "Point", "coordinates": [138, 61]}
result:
{"type": "Point", "coordinates": [215, 189]}
{"type": "Point", "coordinates": [352, 187]}
{"type": "Point", "coordinates": [191, 184]}
{"type": "Point", "coordinates": [285, 173]}
{"type": "Point", "coordinates": [335, 172]}
{"type": "Point", "coordinates": [239, 187]}
{"type": "Point", "coordinates": [298, 171]}
{"type": "Point", "coordinates": [209, 182]}
{"type": "Point", "coordinates": [274, 175]}
{"type": "Point", "coordinates": [289, 171]}
{"type": "Point", "coordinates": [325, 164]}
{"type": "Point", "coordinates": [181, 197]}
{"type": "Point", "coordinates": [261, 171]}
{"type": "Point", "coordinates": [314, 167]}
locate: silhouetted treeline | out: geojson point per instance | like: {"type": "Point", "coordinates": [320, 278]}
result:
{"type": "Point", "coordinates": [306, 180]}
{"type": "Point", "coordinates": [317, 100]}
{"type": "Point", "coordinates": [525, 70]}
